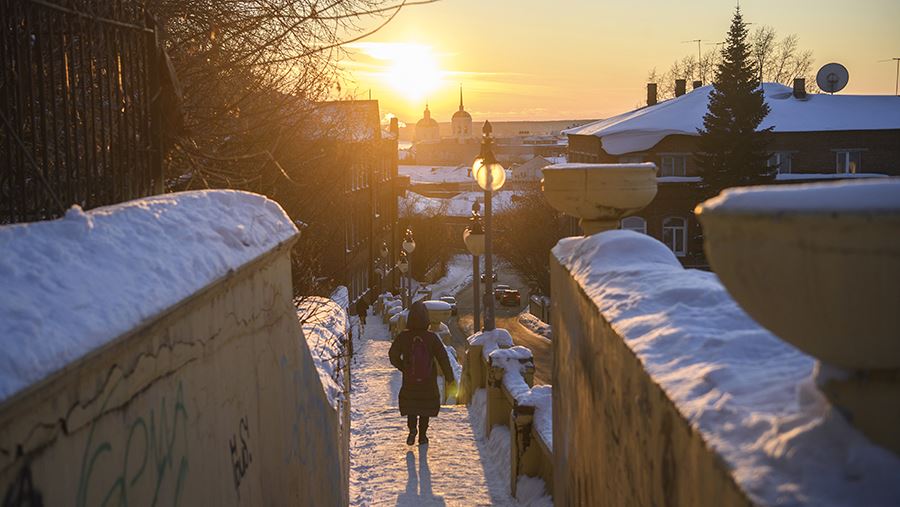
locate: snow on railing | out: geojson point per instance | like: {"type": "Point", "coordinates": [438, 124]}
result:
{"type": "Point", "coordinates": [506, 373]}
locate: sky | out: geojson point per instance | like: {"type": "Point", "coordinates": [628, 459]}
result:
{"type": "Point", "coordinates": [580, 59]}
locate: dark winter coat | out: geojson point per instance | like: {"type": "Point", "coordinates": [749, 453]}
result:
{"type": "Point", "coordinates": [423, 399]}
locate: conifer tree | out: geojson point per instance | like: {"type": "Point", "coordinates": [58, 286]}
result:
{"type": "Point", "coordinates": [733, 152]}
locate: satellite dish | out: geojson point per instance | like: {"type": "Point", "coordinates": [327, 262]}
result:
{"type": "Point", "coordinates": [832, 77]}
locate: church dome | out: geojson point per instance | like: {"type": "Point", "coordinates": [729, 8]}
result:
{"type": "Point", "coordinates": [426, 122]}
{"type": "Point", "coordinates": [462, 115]}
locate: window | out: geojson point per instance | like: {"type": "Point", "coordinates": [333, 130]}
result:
{"type": "Point", "coordinates": [673, 165]}
{"type": "Point", "coordinates": [631, 159]}
{"type": "Point", "coordinates": [636, 224]}
{"type": "Point", "coordinates": [848, 161]}
{"type": "Point", "coordinates": [781, 160]}
{"type": "Point", "coordinates": [675, 235]}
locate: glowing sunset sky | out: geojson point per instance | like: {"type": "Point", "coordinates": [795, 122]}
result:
{"type": "Point", "coordinates": [530, 59]}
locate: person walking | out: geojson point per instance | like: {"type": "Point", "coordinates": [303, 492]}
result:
{"type": "Point", "coordinates": [414, 352]}
{"type": "Point", "coordinates": [362, 309]}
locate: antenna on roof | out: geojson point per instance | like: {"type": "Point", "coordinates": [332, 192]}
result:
{"type": "Point", "coordinates": [832, 77]}
{"type": "Point", "coordinates": [897, 79]}
{"type": "Point", "coordinates": [699, 55]}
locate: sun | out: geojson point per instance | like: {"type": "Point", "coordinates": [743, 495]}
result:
{"type": "Point", "coordinates": [410, 69]}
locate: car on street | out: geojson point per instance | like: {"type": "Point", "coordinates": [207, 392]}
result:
{"type": "Point", "coordinates": [451, 301]}
{"type": "Point", "coordinates": [510, 297]}
{"type": "Point", "coordinates": [499, 289]}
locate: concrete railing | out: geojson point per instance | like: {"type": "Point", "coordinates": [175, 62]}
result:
{"type": "Point", "coordinates": [619, 439]}
{"type": "Point", "coordinates": [530, 454]}
{"type": "Point", "coordinates": [214, 401]}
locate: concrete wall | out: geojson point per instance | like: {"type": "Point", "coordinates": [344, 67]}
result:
{"type": "Point", "coordinates": [215, 402]}
{"type": "Point", "coordinates": [617, 438]}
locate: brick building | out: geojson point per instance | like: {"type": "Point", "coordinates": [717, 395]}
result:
{"type": "Point", "coordinates": [364, 158]}
{"type": "Point", "coordinates": [815, 138]}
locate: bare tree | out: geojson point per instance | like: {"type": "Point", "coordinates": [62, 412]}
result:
{"type": "Point", "coordinates": [779, 61]}
{"type": "Point", "coordinates": [253, 74]}
{"type": "Point", "coordinates": [525, 232]}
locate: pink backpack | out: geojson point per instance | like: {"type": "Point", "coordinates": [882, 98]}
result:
{"type": "Point", "coordinates": [420, 363]}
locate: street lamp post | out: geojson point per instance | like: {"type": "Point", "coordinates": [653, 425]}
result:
{"type": "Point", "coordinates": [383, 254]}
{"type": "Point", "coordinates": [403, 266]}
{"type": "Point", "coordinates": [409, 244]}
{"type": "Point", "coordinates": [473, 237]}
{"type": "Point", "coordinates": [490, 176]}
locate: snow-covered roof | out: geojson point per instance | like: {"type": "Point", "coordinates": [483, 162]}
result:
{"type": "Point", "coordinates": [643, 128]}
{"type": "Point", "coordinates": [344, 120]}
{"type": "Point", "coordinates": [459, 205]}
{"type": "Point", "coordinates": [436, 174]}
{"type": "Point", "coordinates": [73, 284]}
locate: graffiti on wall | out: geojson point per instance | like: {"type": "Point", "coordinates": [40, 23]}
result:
{"type": "Point", "coordinates": [22, 492]}
{"type": "Point", "coordinates": [240, 453]}
{"type": "Point", "coordinates": [146, 464]}
{"type": "Point", "coordinates": [311, 433]}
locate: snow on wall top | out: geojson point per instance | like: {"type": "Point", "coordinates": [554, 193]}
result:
{"type": "Point", "coordinates": [325, 326]}
{"type": "Point", "coordinates": [749, 394]}
{"type": "Point", "coordinates": [877, 195]}
{"type": "Point", "coordinates": [73, 284]}
{"type": "Point", "coordinates": [643, 128]}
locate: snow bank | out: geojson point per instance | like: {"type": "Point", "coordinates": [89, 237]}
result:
{"type": "Point", "coordinates": [325, 326]}
{"type": "Point", "coordinates": [74, 284]}
{"type": "Point", "coordinates": [535, 325]}
{"type": "Point", "coordinates": [749, 394]}
{"type": "Point", "coordinates": [459, 274]}
{"type": "Point", "coordinates": [491, 341]}
{"type": "Point", "coordinates": [882, 195]}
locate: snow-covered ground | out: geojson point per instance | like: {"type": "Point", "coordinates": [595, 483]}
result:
{"type": "Point", "coordinates": [459, 274]}
{"type": "Point", "coordinates": [535, 325]}
{"type": "Point", "coordinates": [74, 284]}
{"type": "Point", "coordinates": [750, 394]}
{"type": "Point", "coordinates": [456, 468]}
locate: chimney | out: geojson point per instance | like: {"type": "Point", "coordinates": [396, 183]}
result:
{"type": "Point", "coordinates": [395, 127]}
{"type": "Point", "coordinates": [799, 88]}
{"type": "Point", "coordinates": [680, 87]}
{"type": "Point", "coordinates": [651, 94]}
{"type": "Point", "coordinates": [697, 84]}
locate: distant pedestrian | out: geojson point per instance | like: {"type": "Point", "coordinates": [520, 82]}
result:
{"type": "Point", "coordinates": [362, 309]}
{"type": "Point", "coordinates": [414, 352]}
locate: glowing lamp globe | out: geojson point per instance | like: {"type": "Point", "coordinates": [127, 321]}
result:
{"type": "Point", "coordinates": [495, 170]}
{"type": "Point", "coordinates": [409, 246]}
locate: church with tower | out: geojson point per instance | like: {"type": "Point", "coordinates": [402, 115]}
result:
{"type": "Point", "coordinates": [461, 122]}
{"type": "Point", "coordinates": [431, 148]}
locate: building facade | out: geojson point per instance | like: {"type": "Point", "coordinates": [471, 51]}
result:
{"type": "Point", "coordinates": [814, 138]}
{"type": "Point", "coordinates": [364, 159]}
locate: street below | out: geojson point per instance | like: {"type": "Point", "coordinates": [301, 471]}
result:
{"type": "Point", "coordinates": [505, 317]}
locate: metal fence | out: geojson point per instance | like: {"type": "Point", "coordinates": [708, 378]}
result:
{"type": "Point", "coordinates": [78, 122]}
